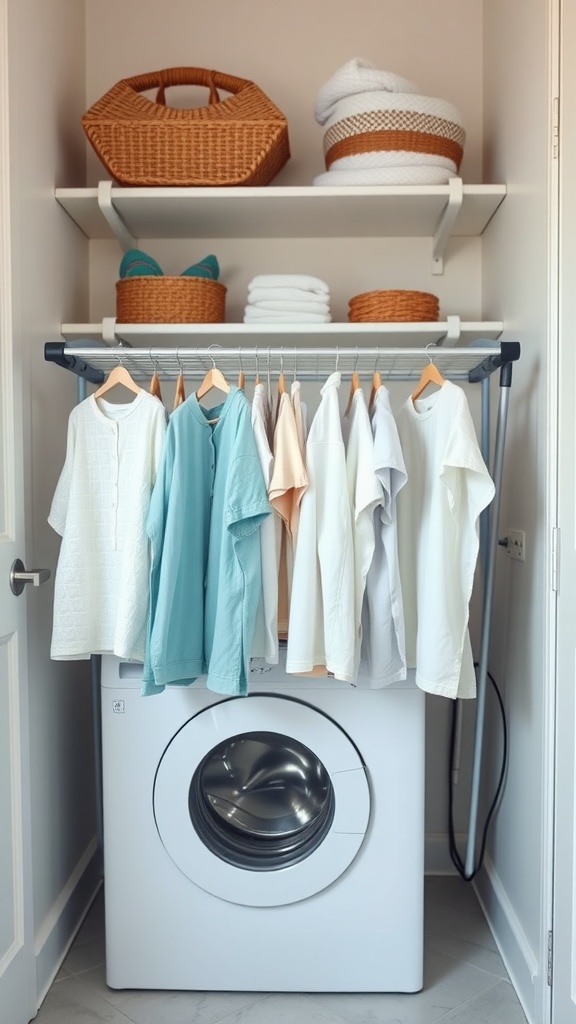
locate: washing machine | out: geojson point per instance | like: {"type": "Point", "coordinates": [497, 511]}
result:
{"type": "Point", "coordinates": [269, 842]}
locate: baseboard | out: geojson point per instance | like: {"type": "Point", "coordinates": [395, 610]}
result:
{"type": "Point", "coordinates": [517, 954]}
{"type": "Point", "coordinates": [59, 928]}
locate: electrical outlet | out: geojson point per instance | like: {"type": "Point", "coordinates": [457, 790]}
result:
{"type": "Point", "coordinates": [516, 546]}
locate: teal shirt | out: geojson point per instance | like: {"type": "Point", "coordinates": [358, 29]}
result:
{"type": "Point", "coordinates": [206, 508]}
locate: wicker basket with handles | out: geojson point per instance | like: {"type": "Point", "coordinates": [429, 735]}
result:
{"type": "Point", "coordinates": [240, 140]}
{"type": "Point", "coordinates": [393, 305]}
{"type": "Point", "coordinates": [169, 300]}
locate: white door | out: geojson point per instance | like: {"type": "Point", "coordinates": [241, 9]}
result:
{"type": "Point", "coordinates": [564, 931]}
{"type": "Point", "coordinates": [17, 979]}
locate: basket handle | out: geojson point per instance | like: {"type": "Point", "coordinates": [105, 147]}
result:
{"type": "Point", "coordinates": [161, 80]}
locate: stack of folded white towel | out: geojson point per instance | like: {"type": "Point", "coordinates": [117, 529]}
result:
{"type": "Point", "coordinates": [379, 129]}
{"type": "Point", "coordinates": [287, 298]}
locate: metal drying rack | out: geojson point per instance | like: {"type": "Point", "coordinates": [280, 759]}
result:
{"type": "Point", "coordinates": [475, 363]}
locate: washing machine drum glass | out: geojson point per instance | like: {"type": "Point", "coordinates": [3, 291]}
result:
{"type": "Point", "coordinates": [261, 800]}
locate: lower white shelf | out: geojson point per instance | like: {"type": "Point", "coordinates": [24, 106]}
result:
{"type": "Point", "coordinates": [447, 333]}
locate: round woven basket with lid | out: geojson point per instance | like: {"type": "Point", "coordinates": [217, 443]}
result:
{"type": "Point", "coordinates": [393, 305]}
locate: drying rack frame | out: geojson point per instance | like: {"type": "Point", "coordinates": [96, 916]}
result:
{"type": "Point", "coordinates": [474, 364]}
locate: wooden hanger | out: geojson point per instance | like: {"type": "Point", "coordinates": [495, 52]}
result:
{"type": "Point", "coordinates": [241, 374]}
{"type": "Point", "coordinates": [213, 379]}
{"type": "Point", "coordinates": [118, 375]}
{"type": "Point", "coordinates": [376, 383]}
{"type": "Point", "coordinates": [155, 388]}
{"type": "Point", "coordinates": [430, 375]}
{"type": "Point", "coordinates": [281, 378]}
{"type": "Point", "coordinates": [354, 385]}
{"type": "Point", "coordinates": [179, 394]}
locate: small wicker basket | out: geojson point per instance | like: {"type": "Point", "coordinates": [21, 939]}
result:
{"type": "Point", "coordinates": [169, 300]}
{"type": "Point", "coordinates": [393, 305]}
{"type": "Point", "coordinates": [240, 140]}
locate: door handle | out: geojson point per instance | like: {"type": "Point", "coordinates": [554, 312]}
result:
{"type": "Point", "coordinates": [19, 577]}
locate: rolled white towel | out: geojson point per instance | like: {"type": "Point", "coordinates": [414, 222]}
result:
{"type": "Point", "coordinates": [357, 76]}
{"type": "Point", "coordinates": [412, 175]}
{"type": "Point", "coordinates": [267, 316]}
{"type": "Point", "coordinates": [305, 281]}
{"type": "Point", "coordinates": [372, 123]}
{"type": "Point", "coordinates": [277, 306]}
{"type": "Point", "coordinates": [286, 295]}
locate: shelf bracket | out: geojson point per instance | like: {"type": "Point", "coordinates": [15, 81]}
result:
{"type": "Point", "coordinates": [110, 213]}
{"type": "Point", "coordinates": [109, 330]}
{"type": "Point", "coordinates": [446, 223]}
{"type": "Point", "coordinates": [452, 336]}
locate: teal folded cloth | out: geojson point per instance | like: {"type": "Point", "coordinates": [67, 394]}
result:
{"type": "Point", "coordinates": [136, 263]}
{"type": "Point", "coordinates": [207, 267]}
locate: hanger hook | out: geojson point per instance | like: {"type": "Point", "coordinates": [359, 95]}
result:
{"type": "Point", "coordinates": [153, 357]}
{"type": "Point", "coordinates": [337, 358]}
{"type": "Point", "coordinates": [256, 361]}
{"type": "Point", "coordinates": [377, 359]}
{"type": "Point", "coordinates": [431, 344]}
{"type": "Point", "coordinates": [295, 363]}
{"type": "Point", "coordinates": [282, 359]}
{"type": "Point", "coordinates": [214, 345]}
{"type": "Point", "coordinates": [240, 358]}
{"type": "Point", "coordinates": [117, 355]}
{"type": "Point", "coordinates": [178, 360]}
{"type": "Point", "coordinates": [356, 359]}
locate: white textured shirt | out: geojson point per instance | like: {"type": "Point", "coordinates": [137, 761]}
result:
{"type": "Point", "coordinates": [438, 509]}
{"type": "Point", "coordinates": [322, 629]}
{"type": "Point", "coordinates": [383, 659]}
{"type": "Point", "coordinates": [265, 641]}
{"type": "Point", "coordinates": [99, 509]}
{"type": "Point", "coordinates": [365, 494]}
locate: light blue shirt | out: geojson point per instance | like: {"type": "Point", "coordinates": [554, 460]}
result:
{"type": "Point", "coordinates": [203, 524]}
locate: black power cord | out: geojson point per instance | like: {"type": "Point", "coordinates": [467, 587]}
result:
{"type": "Point", "coordinates": [455, 856]}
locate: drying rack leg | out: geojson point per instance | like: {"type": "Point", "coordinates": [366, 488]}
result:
{"type": "Point", "coordinates": [482, 676]}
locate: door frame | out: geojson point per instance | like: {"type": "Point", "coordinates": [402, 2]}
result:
{"type": "Point", "coordinates": [17, 966]}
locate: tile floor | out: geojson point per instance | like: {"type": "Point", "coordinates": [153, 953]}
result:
{"type": "Point", "coordinates": [465, 983]}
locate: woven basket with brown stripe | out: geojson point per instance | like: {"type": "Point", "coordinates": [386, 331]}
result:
{"type": "Point", "coordinates": [393, 129]}
{"type": "Point", "coordinates": [393, 305]}
{"type": "Point", "coordinates": [169, 300]}
{"type": "Point", "coordinates": [239, 140]}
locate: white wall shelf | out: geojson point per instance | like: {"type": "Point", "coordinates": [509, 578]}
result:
{"type": "Point", "coordinates": [447, 333]}
{"type": "Point", "coordinates": [281, 212]}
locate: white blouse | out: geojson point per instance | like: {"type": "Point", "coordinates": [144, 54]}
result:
{"type": "Point", "coordinates": [99, 509]}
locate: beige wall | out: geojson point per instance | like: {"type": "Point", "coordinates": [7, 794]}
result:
{"type": "Point", "coordinates": [517, 285]}
{"type": "Point", "coordinates": [291, 50]}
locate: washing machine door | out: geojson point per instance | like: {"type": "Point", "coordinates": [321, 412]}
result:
{"type": "Point", "coordinates": [261, 800]}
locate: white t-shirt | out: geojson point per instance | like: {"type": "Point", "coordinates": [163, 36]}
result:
{"type": "Point", "coordinates": [99, 508]}
{"type": "Point", "coordinates": [438, 509]}
{"type": "Point", "coordinates": [322, 602]}
{"type": "Point", "coordinates": [383, 659]}
{"type": "Point", "coordinates": [365, 494]}
{"type": "Point", "coordinates": [265, 640]}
